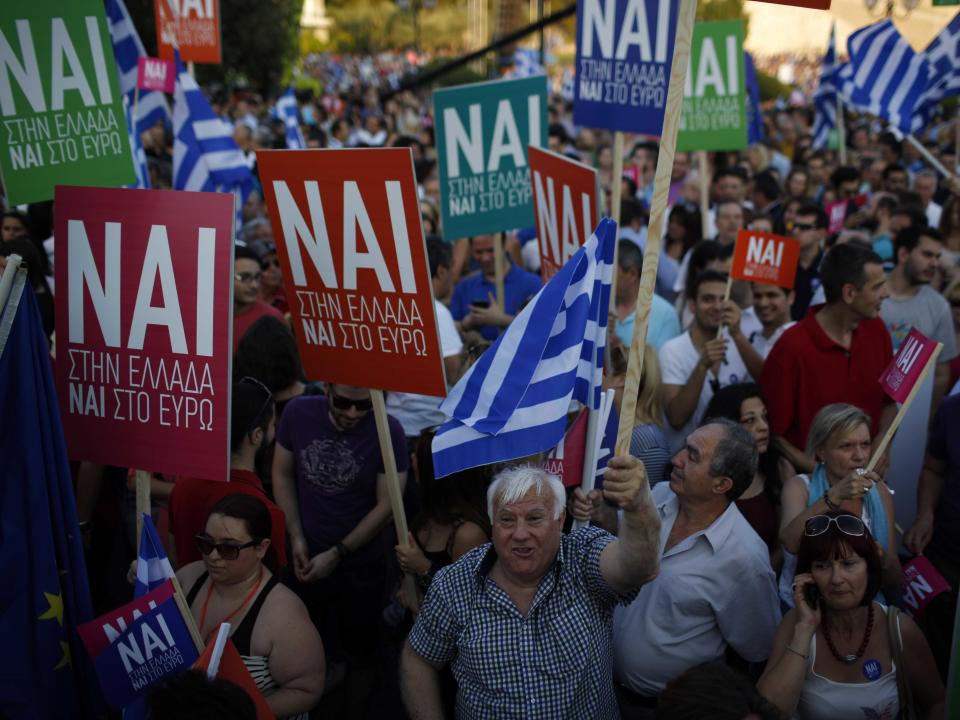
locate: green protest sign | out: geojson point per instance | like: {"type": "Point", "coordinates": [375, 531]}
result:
{"type": "Point", "coordinates": [945, 2]}
{"type": "Point", "coordinates": [482, 134]}
{"type": "Point", "coordinates": [60, 105]}
{"type": "Point", "coordinates": [715, 97]}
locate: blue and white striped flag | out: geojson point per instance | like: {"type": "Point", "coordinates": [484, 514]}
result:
{"type": "Point", "coordinates": [526, 63]}
{"type": "Point", "coordinates": [943, 56]}
{"type": "Point", "coordinates": [136, 150]}
{"type": "Point", "coordinates": [825, 97]}
{"type": "Point", "coordinates": [153, 566]}
{"type": "Point", "coordinates": [514, 401]}
{"type": "Point", "coordinates": [287, 110]}
{"type": "Point", "coordinates": [754, 113]}
{"type": "Point", "coordinates": [205, 155]}
{"type": "Point", "coordinates": [884, 76]}
{"type": "Point", "coordinates": [127, 49]}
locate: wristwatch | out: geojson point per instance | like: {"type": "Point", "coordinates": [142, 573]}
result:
{"type": "Point", "coordinates": [830, 504]}
{"type": "Point", "coordinates": [342, 550]}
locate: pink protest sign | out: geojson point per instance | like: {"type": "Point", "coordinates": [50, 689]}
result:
{"type": "Point", "coordinates": [156, 74]}
{"type": "Point", "coordinates": [921, 583]}
{"type": "Point", "coordinates": [906, 368]}
{"type": "Point", "coordinates": [836, 213]}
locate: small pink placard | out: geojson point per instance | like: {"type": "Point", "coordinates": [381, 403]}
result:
{"type": "Point", "coordinates": [156, 74]}
{"type": "Point", "coordinates": [921, 583]}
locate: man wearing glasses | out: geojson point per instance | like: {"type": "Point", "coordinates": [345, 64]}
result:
{"type": "Point", "coordinates": [810, 230]}
{"type": "Point", "coordinates": [328, 477]}
{"type": "Point", "coordinates": [247, 306]}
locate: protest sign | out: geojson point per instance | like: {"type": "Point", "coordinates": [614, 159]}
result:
{"type": "Point", "coordinates": [156, 74]}
{"type": "Point", "coordinates": [145, 287]}
{"type": "Point", "coordinates": [350, 242]}
{"type": "Point", "coordinates": [231, 668]}
{"type": "Point", "coordinates": [192, 26]}
{"type": "Point", "coordinates": [566, 206]}
{"type": "Point", "coordinates": [624, 55]}
{"type": "Point", "coordinates": [836, 215]}
{"type": "Point", "coordinates": [566, 459]}
{"type": "Point", "coordinates": [137, 646]}
{"type": "Point", "coordinates": [765, 258]}
{"type": "Point", "coordinates": [61, 107]}
{"type": "Point", "coordinates": [715, 94]}
{"type": "Point", "coordinates": [921, 583]}
{"type": "Point", "coordinates": [482, 134]}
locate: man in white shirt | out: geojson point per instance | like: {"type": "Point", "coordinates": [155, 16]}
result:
{"type": "Point", "coordinates": [772, 306]}
{"type": "Point", "coordinates": [697, 363]}
{"type": "Point", "coordinates": [417, 412]}
{"type": "Point", "coordinates": [925, 185]}
{"type": "Point", "coordinates": [715, 589]}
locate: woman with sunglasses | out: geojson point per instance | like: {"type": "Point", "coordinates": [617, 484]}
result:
{"type": "Point", "coordinates": [235, 583]}
{"type": "Point", "coordinates": [839, 440]}
{"type": "Point", "coordinates": [833, 655]}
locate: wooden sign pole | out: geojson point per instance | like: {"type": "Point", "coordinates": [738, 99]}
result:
{"type": "Point", "coordinates": [393, 482]}
{"type": "Point", "coordinates": [704, 193]}
{"type": "Point", "coordinates": [661, 189]}
{"type": "Point", "coordinates": [616, 195]}
{"type": "Point", "coordinates": [498, 260]}
{"type": "Point", "coordinates": [142, 479]}
{"type": "Point", "coordinates": [888, 436]}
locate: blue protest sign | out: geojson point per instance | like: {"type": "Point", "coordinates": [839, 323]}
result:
{"type": "Point", "coordinates": [624, 55]}
{"type": "Point", "coordinates": [482, 134]}
{"type": "Point", "coordinates": [156, 644]}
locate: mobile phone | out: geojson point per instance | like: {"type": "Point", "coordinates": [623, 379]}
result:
{"type": "Point", "coordinates": [480, 303]}
{"type": "Point", "coordinates": [811, 593]}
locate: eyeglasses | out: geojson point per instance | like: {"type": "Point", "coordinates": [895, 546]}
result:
{"type": "Point", "coordinates": [343, 403]}
{"type": "Point", "coordinates": [266, 264]}
{"type": "Point", "coordinates": [258, 418]}
{"type": "Point", "coordinates": [228, 549]}
{"type": "Point", "coordinates": [804, 226]}
{"type": "Point", "coordinates": [247, 278]}
{"type": "Point", "coordinates": [847, 524]}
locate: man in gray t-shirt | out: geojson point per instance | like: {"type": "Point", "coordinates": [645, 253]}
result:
{"type": "Point", "coordinates": [913, 303]}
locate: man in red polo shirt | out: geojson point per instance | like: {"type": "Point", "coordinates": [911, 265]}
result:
{"type": "Point", "coordinates": [253, 422]}
{"type": "Point", "coordinates": [836, 353]}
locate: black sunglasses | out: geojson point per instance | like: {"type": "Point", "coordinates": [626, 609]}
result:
{"type": "Point", "coordinates": [258, 418]}
{"type": "Point", "coordinates": [228, 549]}
{"type": "Point", "coordinates": [847, 524]}
{"type": "Point", "coordinates": [343, 403]}
{"type": "Point", "coordinates": [804, 226]}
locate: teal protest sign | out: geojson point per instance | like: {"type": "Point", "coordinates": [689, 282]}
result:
{"type": "Point", "coordinates": [482, 135]}
{"type": "Point", "coordinates": [61, 109]}
{"type": "Point", "coordinates": [714, 96]}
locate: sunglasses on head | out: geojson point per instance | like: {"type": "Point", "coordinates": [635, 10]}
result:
{"type": "Point", "coordinates": [343, 403]}
{"type": "Point", "coordinates": [228, 549]}
{"type": "Point", "coordinates": [847, 524]}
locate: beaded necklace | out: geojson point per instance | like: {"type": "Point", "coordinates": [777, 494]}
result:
{"type": "Point", "coordinates": [850, 659]}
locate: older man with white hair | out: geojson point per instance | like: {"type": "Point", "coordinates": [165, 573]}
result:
{"type": "Point", "coordinates": [526, 621]}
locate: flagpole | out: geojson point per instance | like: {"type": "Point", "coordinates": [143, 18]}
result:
{"type": "Point", "coordinates": [393, 483]}
{"type": "Point", "coordinates": [498, 269]}
{"type": "Point", "coordinates": [841, 131]}
{"type": "Point", "coordinates": [661, 189]}
{"type": "Point", "coordinates": [143, 501]}
{"type": "Point", "coordinates": [888, 435]}
{"type": "Point", "coordinates": [616, 192]}
{"type": "Point", "coordinates": [928, 156]}
{"type": "Point", "coordinates": [704, 193]}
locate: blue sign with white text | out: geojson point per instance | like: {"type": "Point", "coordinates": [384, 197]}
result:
{"type": "Point", "coordinates": [624, 55]}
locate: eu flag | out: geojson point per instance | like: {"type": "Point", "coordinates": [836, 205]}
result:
{"type": "Point", "coordinates": [44, 596]}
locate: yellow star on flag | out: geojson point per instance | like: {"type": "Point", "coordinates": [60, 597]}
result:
{"type": "Point", "coordinates": [55, 610]}
{"type": "Point", "coordinates": [65, 659]}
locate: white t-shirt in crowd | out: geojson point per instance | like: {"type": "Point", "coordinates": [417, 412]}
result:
{"type": "Point", "coordinates": [763, 345]}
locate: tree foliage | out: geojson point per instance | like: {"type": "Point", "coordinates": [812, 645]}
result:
{"type": "Point", "coordinates": [370, 26]}
{"type": "Point", "coordinates": [724, 10]}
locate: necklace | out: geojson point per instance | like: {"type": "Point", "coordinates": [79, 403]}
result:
{"type": "Point", "coordinates": [850, 659]}
{"type": "Point", "coordinates": [248, 598]}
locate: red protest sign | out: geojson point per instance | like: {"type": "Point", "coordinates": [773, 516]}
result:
{"type": "Point", "coordinates": [145, 281]}
{"type": "Point", "coordinates": [812, 4]}
{"type": "Point", "coordinates": [566, 460]}
{"type": "Point", "coordinates": [766, 258]}
{"type": "Point", "coordinates": [191, 26]}
{"type": "Point", "coordinates": [350, 241]}
{"type": "Point", "coordinates": [907, 366]}
{"type": "Point", "coordinates": [156, 74]}
{"type": "Point", "coordinates": [565, 197]}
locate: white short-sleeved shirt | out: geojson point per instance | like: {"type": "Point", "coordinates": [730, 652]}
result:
{"type": "Point", "coordinates": [416, 412]}
{"type": "Point", "coordinates": [763, 345]}
{"type": "Point", "coordinates": [715, 588]}
{"type": "Point", "coordinates": [678, 359]}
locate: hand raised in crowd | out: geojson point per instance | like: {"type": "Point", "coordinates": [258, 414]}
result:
{"type": "Point", "coordinates": [714, 351]}
{"type": "Point", "coordinates": [918, 537]}
{"type": "Point", "coordinates": [320, 566]}
{"type": "Point", "coordinates": [854, 486]}
{"type": "Point", "coordinates": [808, 618]}
{"type": "Point", "coordinates": [730, 315]}
{"type": "Point", "coordinates": [491, 315]}
{"type": "Point", "coordinates": [582, 506]}
{"type": "Point", "coordinates": [410, 558]}
{"type": "Point", "coordinates": [624, 481]}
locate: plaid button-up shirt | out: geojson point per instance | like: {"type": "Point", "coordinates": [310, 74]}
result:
{"type": "Point", "coordinates": [553, 663]}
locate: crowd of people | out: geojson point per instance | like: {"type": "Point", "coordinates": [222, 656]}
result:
{"type": "Point", "coordinates": [742, 533]}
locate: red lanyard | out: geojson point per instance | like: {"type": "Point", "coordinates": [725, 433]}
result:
{"type": "Point", "coordinates": [248, 598]}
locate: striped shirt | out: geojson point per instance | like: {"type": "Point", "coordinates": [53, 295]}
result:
{"type": "Point", "coordinates": [553, 663]}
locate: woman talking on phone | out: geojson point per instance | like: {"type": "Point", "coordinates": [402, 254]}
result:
{"type": "Point", "coordinates": [838, 653]}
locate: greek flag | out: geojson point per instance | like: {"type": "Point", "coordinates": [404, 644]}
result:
{"type": "Point", "coordinates": [136, 150]}
{"type": "Point", "coordinates": [205, 155]}
{"type": "Point", "coordinates": [153, 567]}
{"type": "Point", "coordinates": [943, 57]}
{"type": "Point", "coordinates": [884, 77]}
{"type": "Point", "coordinates": [825, 97]}
{"type": "Point", "coordinates": [127, 49]}
{"type": "Point", "coordinates": [526, 63]}
{"type": "Point", "coordinates": [287, 110]}
{"type": "Point", "coordinates": [514, 401]}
